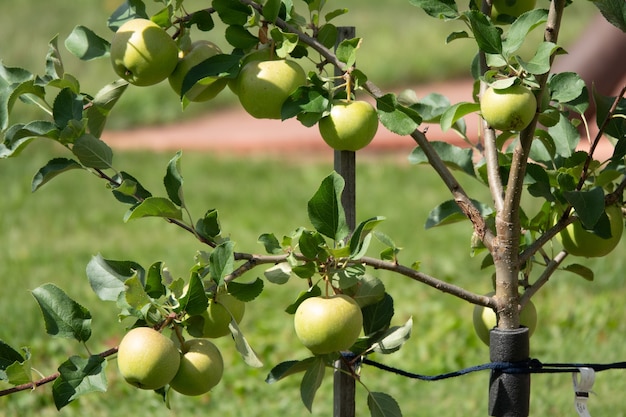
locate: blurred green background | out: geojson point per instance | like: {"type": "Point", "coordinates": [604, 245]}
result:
{"type": "Point", "coordinates": [51, 235]}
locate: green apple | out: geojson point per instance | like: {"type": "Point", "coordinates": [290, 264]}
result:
{"type": "Point", "coordinates": [221, 310]}
{"type": "Point", "coordinates": [147, 359]}
{"type": "Point", "coordinates": [350, 126]}
{"type": "Point", "coordinates": [580, 242]}
{"type": "Point", "coordinates": [512, 108]}
{"type": "Point", "coordinates": [143, 53]}
{"type": "Point", "coordinates": [201, 368]}
{"type": "Point", "coordinates": [485, 319]}
{"type": "Point", "coordinates": [261, 54]}
{"type": "Point", "coordinates": [328, 324]}
{"type": "Point", "coordinates": [263, 86]}
{"type": "Point", "coordinates": [205, 89]}
{"type": "Point", "coordinates": [511, 8]}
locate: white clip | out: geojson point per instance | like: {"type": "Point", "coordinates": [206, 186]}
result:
{"type": "Point", "coordinates": [582, 389]}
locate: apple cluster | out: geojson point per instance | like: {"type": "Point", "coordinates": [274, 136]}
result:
{"type": "Point", "coordinates": [149, 360]}
{"type": "Point", "coordinates": [144, 54]}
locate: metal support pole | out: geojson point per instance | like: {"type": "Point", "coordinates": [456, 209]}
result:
{"type": "Point", "coordinates": [509, 394]}
{"type": "Point", "coordinates": [344, 386]}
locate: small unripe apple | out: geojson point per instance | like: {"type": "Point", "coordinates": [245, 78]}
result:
{"type": "Point", "coordinates": [485, 319]}
{"type": "Point", "coordinates": [147, 359]}
{"type": "Point", "coordinates": [580, 242]}
{"type": "Point", "coordinates": [143, 53]}
{"type": "Point", "coordinates": [217, 316]}
{"type": "Point", "coordinates": [205, 89]}
{"type": "Point", "coordinates": [201, 368]}
{"type": "Point", "coordinates": [263, 86]}
{"type": "Point", "coordinates": [328, 324]}
{"type": "Point", "coordinates": [511, 108]}
{"type": "Point", "coordinates": [512, 8]}
{"type": "Point", "coordinates": [350, 126]}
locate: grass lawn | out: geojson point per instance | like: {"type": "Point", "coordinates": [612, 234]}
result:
{"type": "Point", "coordinates": [49, 236]}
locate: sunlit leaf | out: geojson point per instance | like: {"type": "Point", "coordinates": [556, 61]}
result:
{"type": "Point", "coordinates": [63, 316]}
{"type": "Point", "coordinates": [92, 152]}
{"type": "Point", "coordinates": [53, 168]}
{"type": "Point", "coordinates": [311, 381]}
{"type": "Point", "coordinates": [381, 404]}
{"type": "Point", "coordinates": [79, 376]}
{"type": "Point", "coordinates": [86, 45]}
{"type": "Point", "coordinates": [107, 276]}
{"type": "Point", "coordinates": [154, 207]}
{"type": "Point", "coordinates": [325, 210]}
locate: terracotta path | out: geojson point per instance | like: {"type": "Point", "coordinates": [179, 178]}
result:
{"type": "Point", "coordinates": [234, 131]}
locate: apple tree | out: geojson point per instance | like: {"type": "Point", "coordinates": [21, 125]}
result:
{"type": "Point", "coordinates": [532, 122]}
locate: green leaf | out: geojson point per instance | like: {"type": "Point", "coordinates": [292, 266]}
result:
{"type": "Point", "coordinates": [215, 66]}
{"type": "Point", "coordinates": [19, 372]}
{"type": "Point", "coordinates": [102, 104]}
{"type": "Point", "coordinates": [335, 13]}
{"type": "Point", "coordinates": [271, 9]}
{"type": "Point", "coordinates": [377, 317]}
{"type": "Point", "coordinates": [449, 212]}
{"type": "Point", "coordinates": [53, 168]}
{"type": "Point", "coordinates": [589, 205]}
{"type": "Point", "coordinates": [67, 106]}
{"type": "Point", "coordinates": [240, 37]}
{"type": "Point", "coordinates": [565, 136]}
{"type": "Point", "coordinates": [287, 368]}
{"type": "Point", "coordinates": [312, 244]}
{"type": "Point", "coordinates": [453, 156]}
{"type": "Point", "coordinates": [8, 357]}
{"type": "Point", "coordinates": [202, 19]}
{"type": "Point", "coordinates": [313, 291]}
{"type": "Point", "coordinates": [395, 117]}
{"type": "Point", "coordinates": [232, 12]}
{"type": "Point", "coordinates": [79, 376]}
{"type": "Point", "coordinates": [129, 9]}
{"type": "Point", "coordinates": [246, 291]}
{"type": "Point", "coordinates": [346, 51]}
{"type": "Point", "coordinates": [359, 241]}
{"type": "Point", "coordinates": [521, 27]}
{"type": "Point", "coordinates": [86, 45]}
{"type": "Point", "coordinates": [248, 354]}
{"type": "Point", "coordinates": [154, 281]}
{"type": "Point", "coordinates": [285, 42]}
{"type": "Point", "coordinates": [566, 87]}
{"type": "Point", "coordinates": [92, 152]}
{"type": "Point", "coordinates": [456, 112]}
{"type": "Point", "coordinates": [154, 207]}
{"type": "Point", "coordinates": [393, 339]}
{"type": "Point", "coordinates": [540, 62]}
{"type": "Point", "coordinates": [440, 9]}
{"type": "Point", "coordinates": [311, 381]}
{"type": "Point", "coordinates": [54, 63]}
{"type": "Point", "coordinates": [485, 32]}
{"type": "Point", "coordinates": [308, 103]}
{"type": "Point", "coordinates": [127, 189]}
{"type": "Point", "coordinates": [18, 136]}
{"type": "Point", "coordinates": [325, 210]}
{"type": "Point", "coordinates": [278, 274]}
{"type": "Point", "coordinates": [369, 290]}
{"type": "Point", "coordinates": [106, 277]}
{"type": "Point", "coordinates": [581, 271]}
{"type": "Point", "coordinates": [381, 404]}
{"type": "Point", "coordinates": [209, 227]}
{"type": "Point", "coordinates": [15, 82]}
{"type": "Point", "coordinates": [195, 300]}
{"type": "Point", "coordinates": [271, 244]}
{"type": "Point", "coordinates": [327, 35]}
{"type": "Point", "coordinates": [63, 316]}
{"type": "Point", "coordinates": [222, 261]}
{"type": "Point", "coordinates": [614, 11]}
{"type": "Point", "coordinates": [174, 180]}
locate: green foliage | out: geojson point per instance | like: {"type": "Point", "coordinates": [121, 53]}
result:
{"type": "Point", "coordinates": [329, 258]}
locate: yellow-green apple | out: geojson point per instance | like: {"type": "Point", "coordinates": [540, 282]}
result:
{"type": "Point", "coordinates": [201, 368]}
{"type": "Point", "coordinates": [350, 126]}
{"type": "Point", "coordinates": [485, 319]}
{"type": "Point", "coordinates": [512, 8]}
{"type": "Point", "coordinates": [221, 310]}
{"type": "Point", "coordinates": [261, 54]}
{"type": "Point", "coordinates": [206, 88]}
{"type": "Point", "coordinates": [143, 53]}
{"type": "Point", "coordinates": [328, 324]}
{"type": "Point", "coordinates": [147, 359]}
{"type": "Point", "coordinates": [263, 86]}
{"type": "Point", "coordinates": [511, 108]}
{"type": "Point", "coordinates": [580, 242]}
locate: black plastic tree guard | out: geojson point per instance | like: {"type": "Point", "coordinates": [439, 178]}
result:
{"type": "Point", "coordinates": [509, 393]}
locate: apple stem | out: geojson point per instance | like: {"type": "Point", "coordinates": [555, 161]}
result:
{"type": "Point", "coordinates": [348, 79]}
{"type": "Point", "coordinates": [179, 336]}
